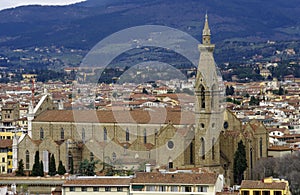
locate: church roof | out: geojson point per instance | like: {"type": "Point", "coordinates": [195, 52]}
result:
{"type": "Point", "coordinates": [156, 116]}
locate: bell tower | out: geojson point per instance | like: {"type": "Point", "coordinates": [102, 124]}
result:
{"type": "Point", "coordinates": [208, 109]}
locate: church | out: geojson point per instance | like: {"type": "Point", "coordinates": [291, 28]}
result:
{"type": "Point", "coordinates": [206, 138]}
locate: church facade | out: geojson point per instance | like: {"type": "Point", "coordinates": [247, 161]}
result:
{"type": "Point", "coordinates": [206, 138]}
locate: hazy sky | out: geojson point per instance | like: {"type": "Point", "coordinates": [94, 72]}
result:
{"type": "Point", "coordinates": [14, 3]}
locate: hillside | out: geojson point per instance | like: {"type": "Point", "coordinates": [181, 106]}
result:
{"type": "Point", "coordinates": [83, 25]}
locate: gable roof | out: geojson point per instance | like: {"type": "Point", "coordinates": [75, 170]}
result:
{"type": "Point", "coordinates": [155, 116]}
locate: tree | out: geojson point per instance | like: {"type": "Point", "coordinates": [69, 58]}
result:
{"type": "Point", "coordinates": [41, 168]}
{"type": "Point", "coordinates": [20, 171]}
{"type": "Point", "coordinates": [52, 167]}
{"type": "Point", "coordinates": [71, 166]}
{"type": "Point", "coordinates": [36, 165]}
{"type": "Point", "coordinates": [87, 168]}
{"type": "Point", "coordinates": [229, 90]}
{"type": "Point", "coordinates": [61, 168]}
{"type": "Point", "coordinates": [239, 163]}
{"type": "Point", "coordinates": [281, 91]}
{"type": "Point", "coordinates": [253, 101]}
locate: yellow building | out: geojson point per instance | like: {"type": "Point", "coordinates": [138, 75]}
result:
{"type": "Point", "coordinates": [5, 156]}
{"type": "Point", "coordinates": [268, 186]}
{"type": "Point", "coordinates": [8, 132]}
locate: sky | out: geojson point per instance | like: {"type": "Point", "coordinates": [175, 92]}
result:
{"type": "Point", "coordinates": [4, 4]}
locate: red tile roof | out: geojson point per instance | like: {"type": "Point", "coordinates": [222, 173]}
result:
{"type": "Point", "coordinates": [175, 178]}
{"type": "Point", "coordinates": [103, 181]}
{"type": "Point", "coordinates": [6, 143]}
{"type": "Point", "coordinates": [248, 184]}
{"type": "Point", "coordinates": [158, 116]}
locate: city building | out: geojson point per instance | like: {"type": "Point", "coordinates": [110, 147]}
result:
{"type": "Point", "coordinates": [268, 186]}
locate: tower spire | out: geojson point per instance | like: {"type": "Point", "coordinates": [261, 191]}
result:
{"type": "Point", "coordinates": [206, 32]}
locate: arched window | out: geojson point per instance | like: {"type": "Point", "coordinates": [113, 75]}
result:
{"type": "Point", "coordinates": [170, 165]}
{"type": "Point", "coordinates": [27, 158]}
{"type": "Point", "coordinates": [145, 136]}
{"type": "Point", "coordinates": [104, 134]}
{"type": "Point", "coordinates": [213, 93]}
{"type": "Point", "coordinates": [62, 134]}
{"type": "Point", "coordinates": [83, 134]}
{"type": "Point", "coordinates": [260, 148]}
{"type": "Point", "coordinates": [202, 148]}
{"type": "Point", "coordinates": [91, 156]}
{"type": "Point", "coordinates": [202, 95]}
{"type": "Point", "coordinates": [41, 133]}
{"type": "Point", "coordinates": [213, 149]}
{"type": "Point", "coordinates": [127, 134]}
{"type": "Point", "coordinates": [192, 161]}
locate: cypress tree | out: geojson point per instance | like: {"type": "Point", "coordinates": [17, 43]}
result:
{"type": "Point", "coordinates": [20, 171]}
{"type": "Point", "coordinates": [42, 169]}
{"type": "Point", "coordinates": [61, 168]}
{"type": "Point", "coordinates": [239, 163]}
{"type": "Point", "coordinates": [52, 167]}
{"type": "Point", "coordinates": [71, 166]}
{"type": "Point", "coordinates": [36, 165]}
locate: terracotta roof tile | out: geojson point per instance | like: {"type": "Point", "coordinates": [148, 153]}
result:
{"type": "Point", "coordinates": [157, 116]}
{"type": "Point", "coordinates": [6, 143]}
{"type": "Point", "coordinates": [103, 181]}
{"type": "Point", "coordinates": [169, 178]}
{"type": "Point", "coordinates": [248, 184]}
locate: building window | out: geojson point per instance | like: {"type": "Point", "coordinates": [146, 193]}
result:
{"type": "Point", "coordinates": [3, 159]}
{"type": "Point", "coordinates": [83, 189]}
{"type": "Point", "coordinates": [107, 189]}
{"type": "Point", "coordinates": [162, 188]}
{"type": "Point", "coordinates": [263, 193]}
{"type": "Point", "coordinates": [260, 148]}
{"type": "Point", "coordinates": [3, 169]}
{"type": "Point", "coordinates": [257, 193]}
{"type": "Point", "coordinates": [72, 189]}
{"type": "Point", "coordinates": [170, 165]}
{"type": "Point", "coordinates": [104, 134]}
{"type": "Point", "coordinates": [202, 96]}
{"type": "Point", "coordinates": [145, 136]}
{"type": "Point", "coordinates": [170, 145]}
{"type": "Point", "coordinates": [202, 148]}
{"type": "Point", "coordinates": [62, 134]}
{"type": "Point", "coordinates": [119, 189]}
{"type": "Point", "coordinates": [150, 188]}
{"type": "Point", "coordinates": [127, 134]}
{"type": "Point", "coordinates": [277, 192]}
{"type": "Point", "coordinates": [213, 89]}
{"type": "Point", "coordinates": [174, 188]}
{"type": "Point", "coordinates": [187, 188]}
{"type": "Point", "coordinates": [96, 189]}
{"type": "Point", "coordinates": [41, 133]}
{"type": "Point", "coordinates": [213, 149]}
{"type": "Point", "coordinates": [202, 188]}
{"type": "Point", "coordinates": [83, 134]}
{"type": "Point", "coordinates": [245, 192]}
{"type": "Point", "coordinates": [27, 159]}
